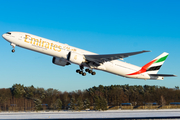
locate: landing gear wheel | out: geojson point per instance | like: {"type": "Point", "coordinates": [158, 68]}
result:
{"type": "Point", "coordinates": [81, 72]}
{"type": "Point", "coordinates": [93, 73]}
{"type": "Point", "coordinates": [84, 74]}
{"type": "Point", "coordinates": [87, 70]}
{"type": "Point", "coordinates": [13, 50]}
{"type": "Point", "coordinates": [90, 71]}
{"type": "Point", "coordinates": [77, 71]}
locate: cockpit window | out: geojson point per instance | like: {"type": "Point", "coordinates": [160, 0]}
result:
{"type": "Point", "coordinates": [8, 33]}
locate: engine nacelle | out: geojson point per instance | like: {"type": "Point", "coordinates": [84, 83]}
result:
{"type": "Point", "coordinates": [76, 58]}
{"type": "Point", "coordinates": [60, 61]}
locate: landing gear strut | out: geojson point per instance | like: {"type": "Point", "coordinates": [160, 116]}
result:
{"type": "Point", "coordinates": [13, 45]}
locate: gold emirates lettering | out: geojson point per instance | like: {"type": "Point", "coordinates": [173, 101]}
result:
{"type": "Point", "coordinates": [41, 43]}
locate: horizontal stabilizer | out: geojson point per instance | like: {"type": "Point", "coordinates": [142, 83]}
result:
{"type": "Point", "coordinates": [163, 75]}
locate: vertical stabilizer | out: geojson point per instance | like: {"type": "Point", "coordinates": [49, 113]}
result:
{"type": "Point", "coordinates": [153, 67]}
{"type": "Point", "coordinates": [157, 63]}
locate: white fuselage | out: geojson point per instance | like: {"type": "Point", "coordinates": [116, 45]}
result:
{"type": "Point", "coordinates": [60, 50]}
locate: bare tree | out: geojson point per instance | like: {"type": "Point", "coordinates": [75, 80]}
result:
{"type": "Point", "coordinates": [163, 101]}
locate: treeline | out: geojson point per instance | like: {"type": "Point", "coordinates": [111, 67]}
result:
{"type": "Point", "coordinates": [98, 98]}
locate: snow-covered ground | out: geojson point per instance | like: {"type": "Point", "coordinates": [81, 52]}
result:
{"type": "Point", "coordinates": [91, 114]}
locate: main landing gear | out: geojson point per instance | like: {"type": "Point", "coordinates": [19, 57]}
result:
{"type": "Point", "coordinates": [80, 71]}
{"type": "Point", "coordinates": [90, 72]}
{"type": "Point", "coordinates": [13, 45]}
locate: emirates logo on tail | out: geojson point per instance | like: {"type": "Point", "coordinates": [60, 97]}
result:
{"type": "Point", "coordinates": [153, 66]}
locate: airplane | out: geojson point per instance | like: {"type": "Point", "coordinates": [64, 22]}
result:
{"type": "Point", "coordinates": [64, 55]}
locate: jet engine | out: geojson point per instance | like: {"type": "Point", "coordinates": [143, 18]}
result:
{"type": "Point", "coordinates": [60, 61]}
{"type": "Point", "coordinates": [76, 58]}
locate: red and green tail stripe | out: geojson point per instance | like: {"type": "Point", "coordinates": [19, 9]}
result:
{"type": "Point", "coordinates": [161, 59]}
{"type": "Point", "coordinates": [151, 66]}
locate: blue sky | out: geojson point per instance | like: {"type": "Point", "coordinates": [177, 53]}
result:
{"type": "Point", "coordinates": [103, 27]}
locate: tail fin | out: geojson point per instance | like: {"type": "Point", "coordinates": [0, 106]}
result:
{"type": "Point", "coordinates": [154, 66]}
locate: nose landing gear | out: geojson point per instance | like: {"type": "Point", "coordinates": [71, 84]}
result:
{"type": "Point", "coordinates": [13, 45]}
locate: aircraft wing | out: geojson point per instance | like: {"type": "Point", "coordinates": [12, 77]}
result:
{"type": "Point", "coordinates": [109, 57]}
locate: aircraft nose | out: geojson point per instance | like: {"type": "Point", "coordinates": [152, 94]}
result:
{"type": "Point", "coordinates": [3, 36]}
